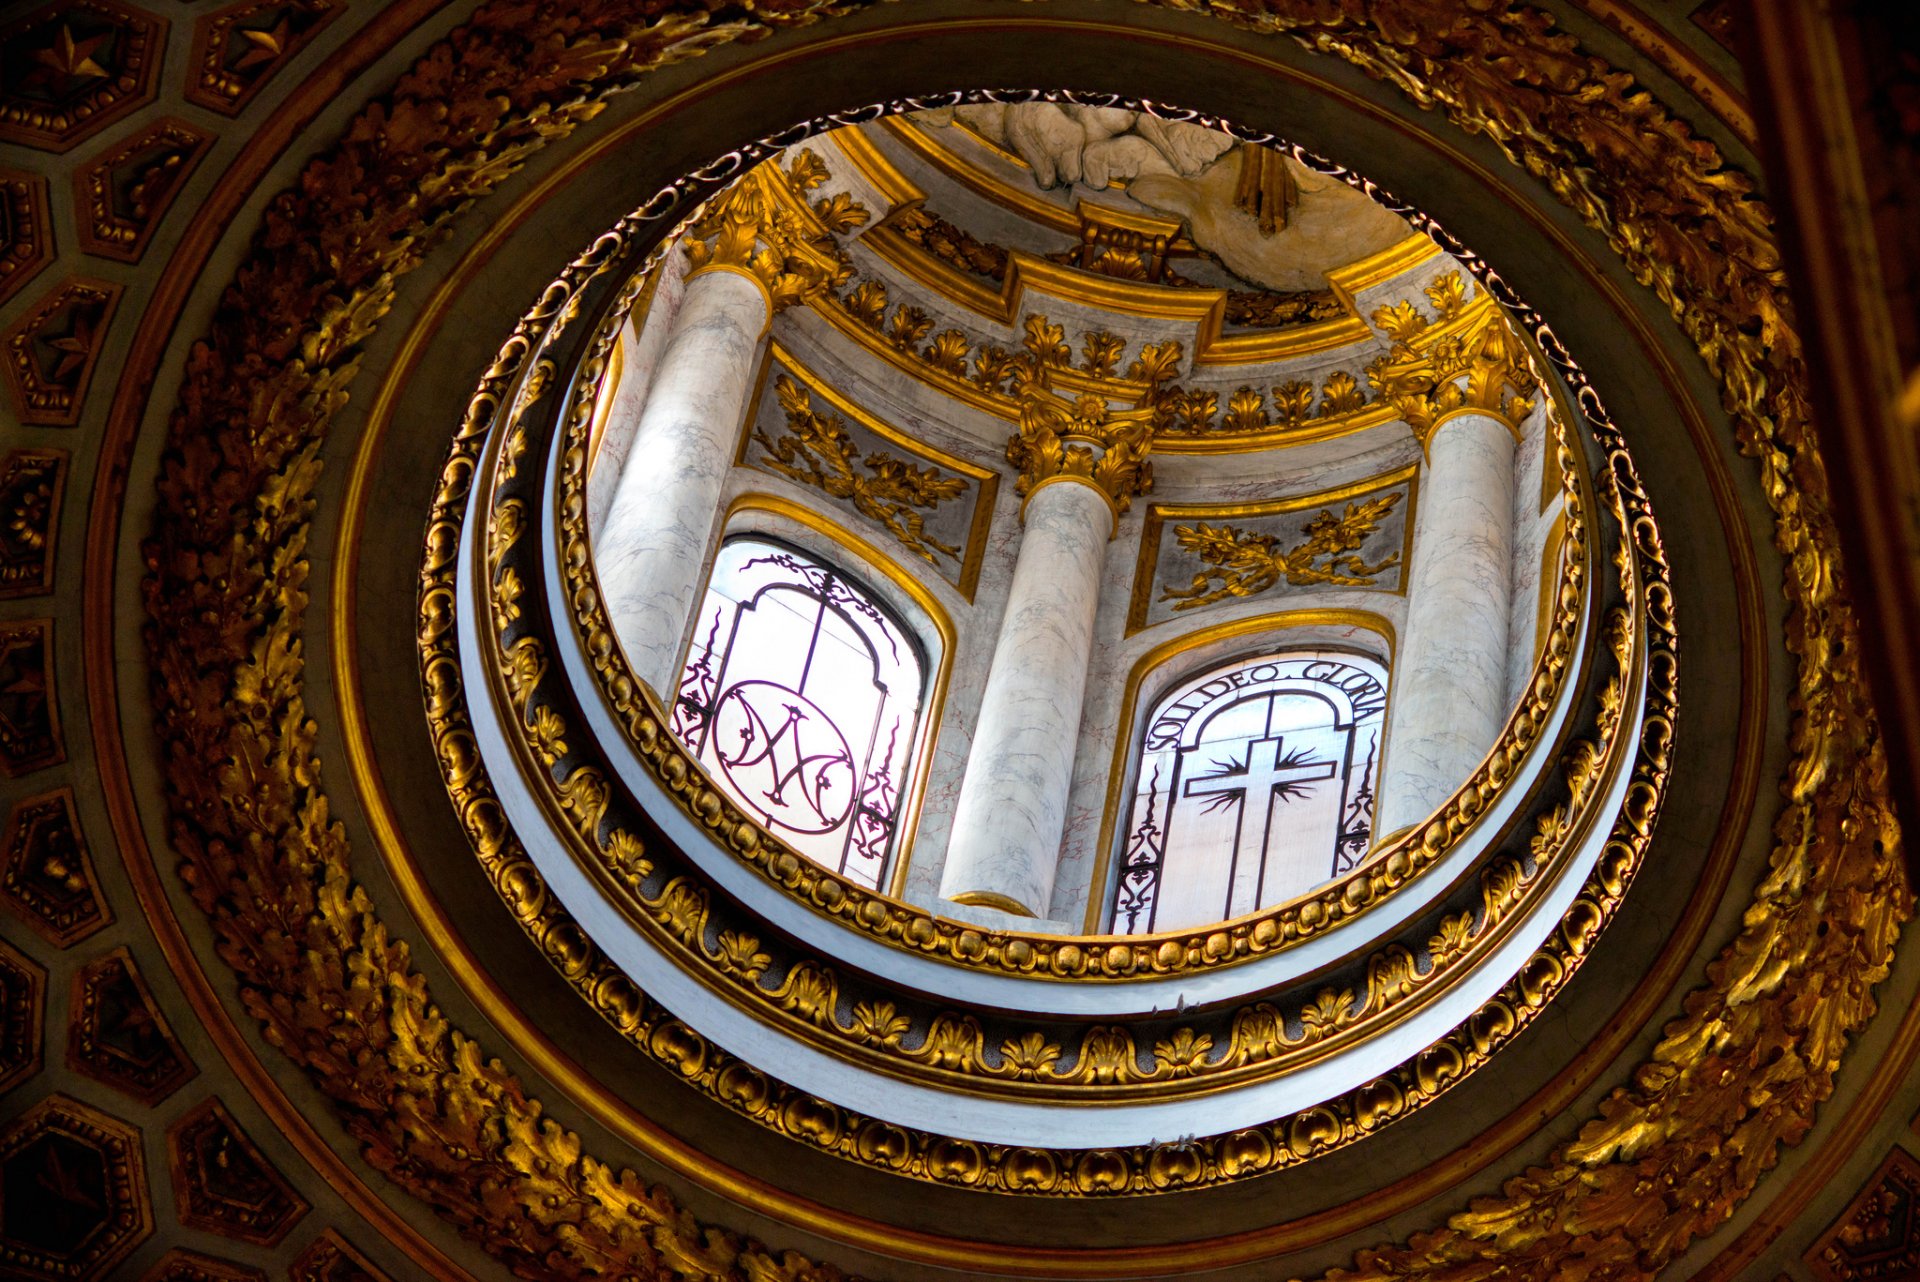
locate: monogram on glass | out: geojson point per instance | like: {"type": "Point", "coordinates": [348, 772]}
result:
{"type": "Point", "coordinates": [801, 696]}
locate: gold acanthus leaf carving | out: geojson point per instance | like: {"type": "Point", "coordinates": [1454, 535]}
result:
{"type": "Point", "coordinates": [764, 226]}
{"type": "Point", "coordinates": [1481, 367]}
{"type": "Point", "coordinates": [818, 451]}
{"type": "Point", "coordinates": [1246, 563]}
{"type": "Point", "coordinates": [1083, 439]}
{"type": "Point", "coordinates": [998, 372]}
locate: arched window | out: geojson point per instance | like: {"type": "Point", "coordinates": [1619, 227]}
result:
{"type": "Point", "coordinates": [1255, 783]}
{"type": "Point", "coordinates": [801, 696]}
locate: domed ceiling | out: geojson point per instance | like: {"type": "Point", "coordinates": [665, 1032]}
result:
{"type": "Point", "coordinates": [391, 889]}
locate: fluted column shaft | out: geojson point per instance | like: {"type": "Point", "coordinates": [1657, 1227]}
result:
{"type": "Point", "coordinates": [1449, 674]}
{"type": "Point", "coordinates": [651, 553]}
{"type": "Point", "coordinates": [1012, 810]}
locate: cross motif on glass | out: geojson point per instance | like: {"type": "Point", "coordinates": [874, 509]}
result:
{"type": "Point", "coordinates": [1271, 777]}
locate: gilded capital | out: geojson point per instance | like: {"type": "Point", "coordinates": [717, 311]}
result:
{"type": "Point", "coordinates": [764, 226]}
{"type": "Point", "coordinates": [1083, 440]}
{"type": "Point", "coordinates": [1477, 363]}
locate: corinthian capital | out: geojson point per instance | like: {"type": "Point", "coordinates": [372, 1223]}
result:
{"type": "Point", "coordinates": [1482, 367]}
{"type": "Point", "coordinates": [764, 227]}
{"type": "Point", "coordinates": [1082, 440]}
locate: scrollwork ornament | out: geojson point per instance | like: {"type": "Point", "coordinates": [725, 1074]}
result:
{"type": "Point", "coordinates": [1670, 1154]}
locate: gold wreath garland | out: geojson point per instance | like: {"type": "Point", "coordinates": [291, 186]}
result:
{"type": "Point", "coordinates": [1671, 1154]}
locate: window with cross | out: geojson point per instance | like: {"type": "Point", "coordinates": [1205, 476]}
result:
{"type": "Point", "coordinates": [801, 696]}
{"type": "Point", "coordinates": [1255, 783]}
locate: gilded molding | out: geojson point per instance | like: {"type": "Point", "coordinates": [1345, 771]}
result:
{"type": "Point", "coordinates": [1246, 563]}
{"type": "Point", "coordinates": [678, 913]}
{"type": "Point", "coordinates": [1480, 366]}
{"type": "Point", "coordinates": [816, 451]}
{"type": "Point", "coordinates": [1082, 440]}
{"type": "Point", "coordinates": [1672, 1152]}
{"type": "Point", "coordinates": [984, 483]}
{"type": "Point", "coordinates": [765, 227]}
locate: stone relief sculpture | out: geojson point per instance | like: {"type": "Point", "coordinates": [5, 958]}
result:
{"type": "Point", "coordinates": [1264, 218]}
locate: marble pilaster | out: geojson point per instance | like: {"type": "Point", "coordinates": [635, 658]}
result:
{"type": "Point", "coordinates": [651, 553]}
{"type": "Point", "coordinates": [1012, 809]}
{"type": "Point", "coordinates": [1450, 672]}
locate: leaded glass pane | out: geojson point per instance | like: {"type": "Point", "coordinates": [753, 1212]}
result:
{"type": "Point", "coordinates": [1255, 784]}
{"type": "Point", "coordinates": [801, 696]}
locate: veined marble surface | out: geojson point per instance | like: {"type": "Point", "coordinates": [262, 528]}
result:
{"type": "Point", "coordinates": [642, 341]}
{"type": "Point", "coordinates": [652, 551]}
{"type": "Point", "coordinates": [1450, 677]}
{"type": "Point", "coordinates": [1012, 808]}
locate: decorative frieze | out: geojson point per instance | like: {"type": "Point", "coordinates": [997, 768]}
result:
{"type": "Point", "coordinates": [1355, 537]}
{"type": "Point", "coordinates": [765, 226]}
{"type": "Point", "coordinates": [932, 504]}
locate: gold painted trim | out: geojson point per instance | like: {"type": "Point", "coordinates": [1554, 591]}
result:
{"type": "Point", "coordinates": [992, 899]}
{"type": "Point", "coordinates": [1159, 515]}
{"type": "Point", "coordinates": [904, 926]}
{"type": "Point", "coordinates": [1549, 557]}
{"type": "Point", "coordinates": [609, 390]}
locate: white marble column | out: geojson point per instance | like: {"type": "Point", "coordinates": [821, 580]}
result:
{"type": "Point", "coordinates": [1012, 810]}
{"type": "Point", "coordinates": [651, 553]}
{"type": "Point", "coordinates": [1449, 672]}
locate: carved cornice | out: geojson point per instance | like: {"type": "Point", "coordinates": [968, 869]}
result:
{"type": "Point", "coordinates": [1081, 440]}
{"type": "Point", "coordinates": [1481, 366]}
{"type": "Point", "coordinates": [765, 227]}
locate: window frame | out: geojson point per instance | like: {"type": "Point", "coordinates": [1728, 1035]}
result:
{"type": "Point", "coordinates": [1183, 659]}
{"type": "Point", "coordinates": [907, 786]}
